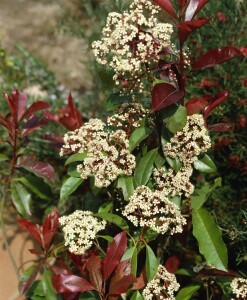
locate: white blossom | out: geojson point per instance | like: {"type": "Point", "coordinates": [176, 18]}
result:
{"type": "Point", "coordinates": [239, 288]}
{"type": "Point", "coordinates": [80, 229]}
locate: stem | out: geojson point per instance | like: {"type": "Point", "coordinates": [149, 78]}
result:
{"type": "Point", "coordinates": [181, 63]}
{"type": "Point", "coordinates": [5, 240]}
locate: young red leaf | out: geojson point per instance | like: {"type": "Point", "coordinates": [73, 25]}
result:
{"type": "Point", "coordinates": [20, 102]}
{"type": "Point", "coordinates": [194, 105]}
{"type": "Point", "coordinates": [165, 94]}
{"type": "Point", "coordinates": [193, 8]}
{"type": "Point", "coordinates": [32, 124]}
{"type": "Point", "coordinates": [122, 278]}
{"type": "Point", "coordinates": [33, 229]}
{"type": "Point", "coordinates": [38, 168]}
{"type": "Point", "coordinates": [114, 253]}
{"type": "Point", "coordinates": [214, 57]}
{"type": "Point", "coordinates": [172, 264]}
{"type": "Point", "coordinates": [181, 3]}
{"type": "Point", "coordinates": [66, 283]}
{"type": "Point", "coordinates": [11, 106]}
{"type": "Point", "coordinates": [220, 97]}
{"type": "Point", "coordinates": [50, 116]}
{"type": "Point", "coordinates": [166, 5]}
{"type": "Point", "coordinates": [220, 127]}
{"type": "Point", "coordinates": [141, 281]}
{"type": "Point", "coordinates": [93, 265]}
{"type": "Point", "coordinates": [36, 106]}
{"type": "Point", "coordinates": [186, 28]}
{"type": "Point", "coordinates": [50, 228]}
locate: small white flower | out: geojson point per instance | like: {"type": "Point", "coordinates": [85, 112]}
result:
{"type": "Point", "coordinates": [239, 287]}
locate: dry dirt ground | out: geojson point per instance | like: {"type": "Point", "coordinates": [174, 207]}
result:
{"type": "Point", "coordinates": [33, 24]}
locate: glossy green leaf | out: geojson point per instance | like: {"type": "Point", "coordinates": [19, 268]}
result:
{"type": "Point", "coordinates": [69, 186]}
{"type": "Point", "coordinates": [127, 185]}
{"type": "Point", "coordinates": [205, 165]}
{"type": "Point", "coordinates": [37, 186]}
{"type": "Point", "coordinates": [178, 120]}
{"type": "Point", "coordinates": [76, 157]}
{"type": "Point", "coordinates": [21, 199]}
{"type": "Point", "coordinates": [3, 157]}
{"type": "Point", "coordinates": [151, 263]}
{"type": "Point", "coordinates": [137, 296]}
{"type": "Point", "coordinates": [131, 254]}
{"type": "Point", "coordinates": [159, 161]}
{"type": "Point", "coordinates": [72, 172]}
{"type": "Point", "coordinates": [187, 292]}
{"type": "Point", "coordinates": [145, 167]}
{"type": "Point", "coordinates": [174, 163]}
{"type": "Point", "coordinates": [209, 238]}
{"type": "Point", "coordinates": [105, 207]}
{"type": "Point", "coordinates": [128, 253]}
{"type": "Point", "coordinates": [200, 196]}
{"type": "Point", "coordinates": [115, 219]}
{"type": "Point", "coordinates": [89, 295]}
{"type": "Point", "coordinates": [138, 136]}
{"type": "Point", "coordinates": [185, 272]}
{"type": "Point", "coordinates": [106, 237]}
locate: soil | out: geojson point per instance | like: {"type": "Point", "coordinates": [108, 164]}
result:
{"type": "Point", "coordinates": [34, 25]}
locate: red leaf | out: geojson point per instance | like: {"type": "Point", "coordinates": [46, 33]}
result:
{"type": "Point", "coordinates": [220, 127]}
{"type": "Point", "coordinates": [220, 97]}
{"type": "Point", "coordinates": [165, 94]}
{"type": "Point", "coordinates": [172, 264]}
{"type": "Point", "coordinates": [36, 106]}
{"type": "Point", "coordinates": [195, 105]}
{"type": "Point", "coordinates": [20, 101]}
{"type": "Point", "coordinates": [141, 281]}
{"type": "Point", "coordinates": [166, 5]}
{"type": "Point", "coordinates": [50, 116]}
{"type": "Point", "coordinates": [34, 251]}
{"type": "Point", "coordinates": [38, 168]}
{"type": "Point", "coordinates": [11, 106]}
{"type": "Point", "coordinates": [50, 227]}
{"type": "Point", "coordinates": [32, 124]}
{"type": "Point", "coordinates": [114, 252]}
{"type": "Point", "coordinates": [193, 8]}
{"type": "Point", "coordinates": [66, 283]}
{"type": "Point", "coordinates": [33, 229]}
{"type": "Point", "coordinates": [122, 278]}
{"type": "Point", "coordinates": [186, 28]}
{"type": "Point", "coordinates": [214, 57]}
{"type": "Point", "coordinates": [94, 268]}
{"type": "Point", "coordinates": [181, 3]}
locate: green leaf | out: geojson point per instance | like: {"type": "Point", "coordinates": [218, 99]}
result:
{"type": "Point", "coordinates": [106, 237]}
{"type": "Point", "coordinates": [138, 136]}
{"type": "Point", "coordinates": [69, 186]}
{"type": "Point", "coordinates": [127, 185]}
{"type": "Point", "coordinates": [128, 253]}
{"type": "Point", "coordinates": [159, 161]}
{"type": "Point", "coordinates": [72, 172]}
{"type": "Point", "coordinates": [3, 157]}
{"type": "Point", "coordinates": [177, 121]}
{"type": "Point", "coordinates": [89, 295]}
{"type": "Point", "coordinates": [105, 207]}
{"type": "Point", "coordinates": [205, 165]}
{"type": "Point", "coordinates": [176, 200]}
{"type": "Point", "coordinates": [145, 167]}
{"type": "Point", "coordinates": [200, 196]}
{"type": "Point", "coordinates": [21, 199]}
{"type": "Point", "coordinates": [151, 263]}
{"type": "Point", "coordinates": [187, 292]}
{"type": "Point", "coordinates": [115, 219]}
{"type": "Point", "coordinates": [76, 157]}
{"type": "Point", "coordinates": [47, 285]}
{"type": "Point", "coordinates": [185, 272]}
{"type": "Point", "coordinates": [37, 186]}
{"type": "Point", "coordinates": [131, 254]}
{"type": "Point", "coordinates": [209, 238]}
{"type": "Point", "coordinates": [174, 163]}
{"type": "Point", "coordinates": [137, 296]}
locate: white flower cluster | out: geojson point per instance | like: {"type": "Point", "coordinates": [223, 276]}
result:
{"type": "Point", "coordinates": [153, 209]}
{"type": "Point", "coordinates": [132, 40]}
{"type": "Point", "coordinates": [128, 115]}
{"type": "Point", "coordinates": [162, 286]}
{"type": "Point", "coordinates": [107, 152]}
{"type": "Point", "coordinates": [80, 229]}
{"type": "Point", "coordinates": [239, 287]}
{"type": "Point", "coordinates": [186, 145]}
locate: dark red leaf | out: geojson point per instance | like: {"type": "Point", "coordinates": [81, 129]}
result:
{"type": "Point", "coordinates": [33, 229]}
{"type": "Point", "coordinates": [32, 124]}
{"type": "Point", "coordinates": [181, 3]}
{"type": "Point", "coordinates": [122, 278]}
{"type": "Point", "coordinates": [114, 253]}
{"type": "Point", "coordinates": [220, 97]}
{"type": "Point", "coordinates": [141, 281]}
{"type": "Point", "coordinates": [166, 5]}
{"type": "Point", "coordinates": [34, 251]}
{"type": "Point", "coordinates": [220, 127]}
{"type": "Point", "coordinates": [165, 94]}
{"type": "Point", "coordinates": [50, 228]}
{"type": "Point", "coordinates": [36, 106]}
{"type": "Point", "coordinates": [93, 265]}
{"type": "Point", "coordinates": [172, 264]}
{"type": "Point", "coordinates": [38, 168]}
{"type": "Point", "coordinates": [193, 8]}
{"type": "Point", "coordinates": [214, 57]}
{"type": "Point", "coordinates": [50, 116]}
{"type": "Point", "coordinates": [26, 283]}
{"type": "Point", "coordinates": [66, 283]}
{"type": "Point", "coordinates": [195, 105]}
{"type": "Point", "coordinates": [59, 270]}
{"type": "Point", "coordinates": [11, 106]}
{"type": "Point", "coordinates": [20, 101]}
{"type": "Point", "coordinates": [71, 105]}
{"type": "Point", "coordinates": [186, 28]}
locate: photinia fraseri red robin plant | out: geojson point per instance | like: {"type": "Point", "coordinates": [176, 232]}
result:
{"type": "Point", "coordinates": [136, 172]}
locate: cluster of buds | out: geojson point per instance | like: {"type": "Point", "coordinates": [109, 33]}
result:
{"type": "Point", "coordinates": [132, 42]}
{"type": "Point", "coordinates": [154, 210]}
